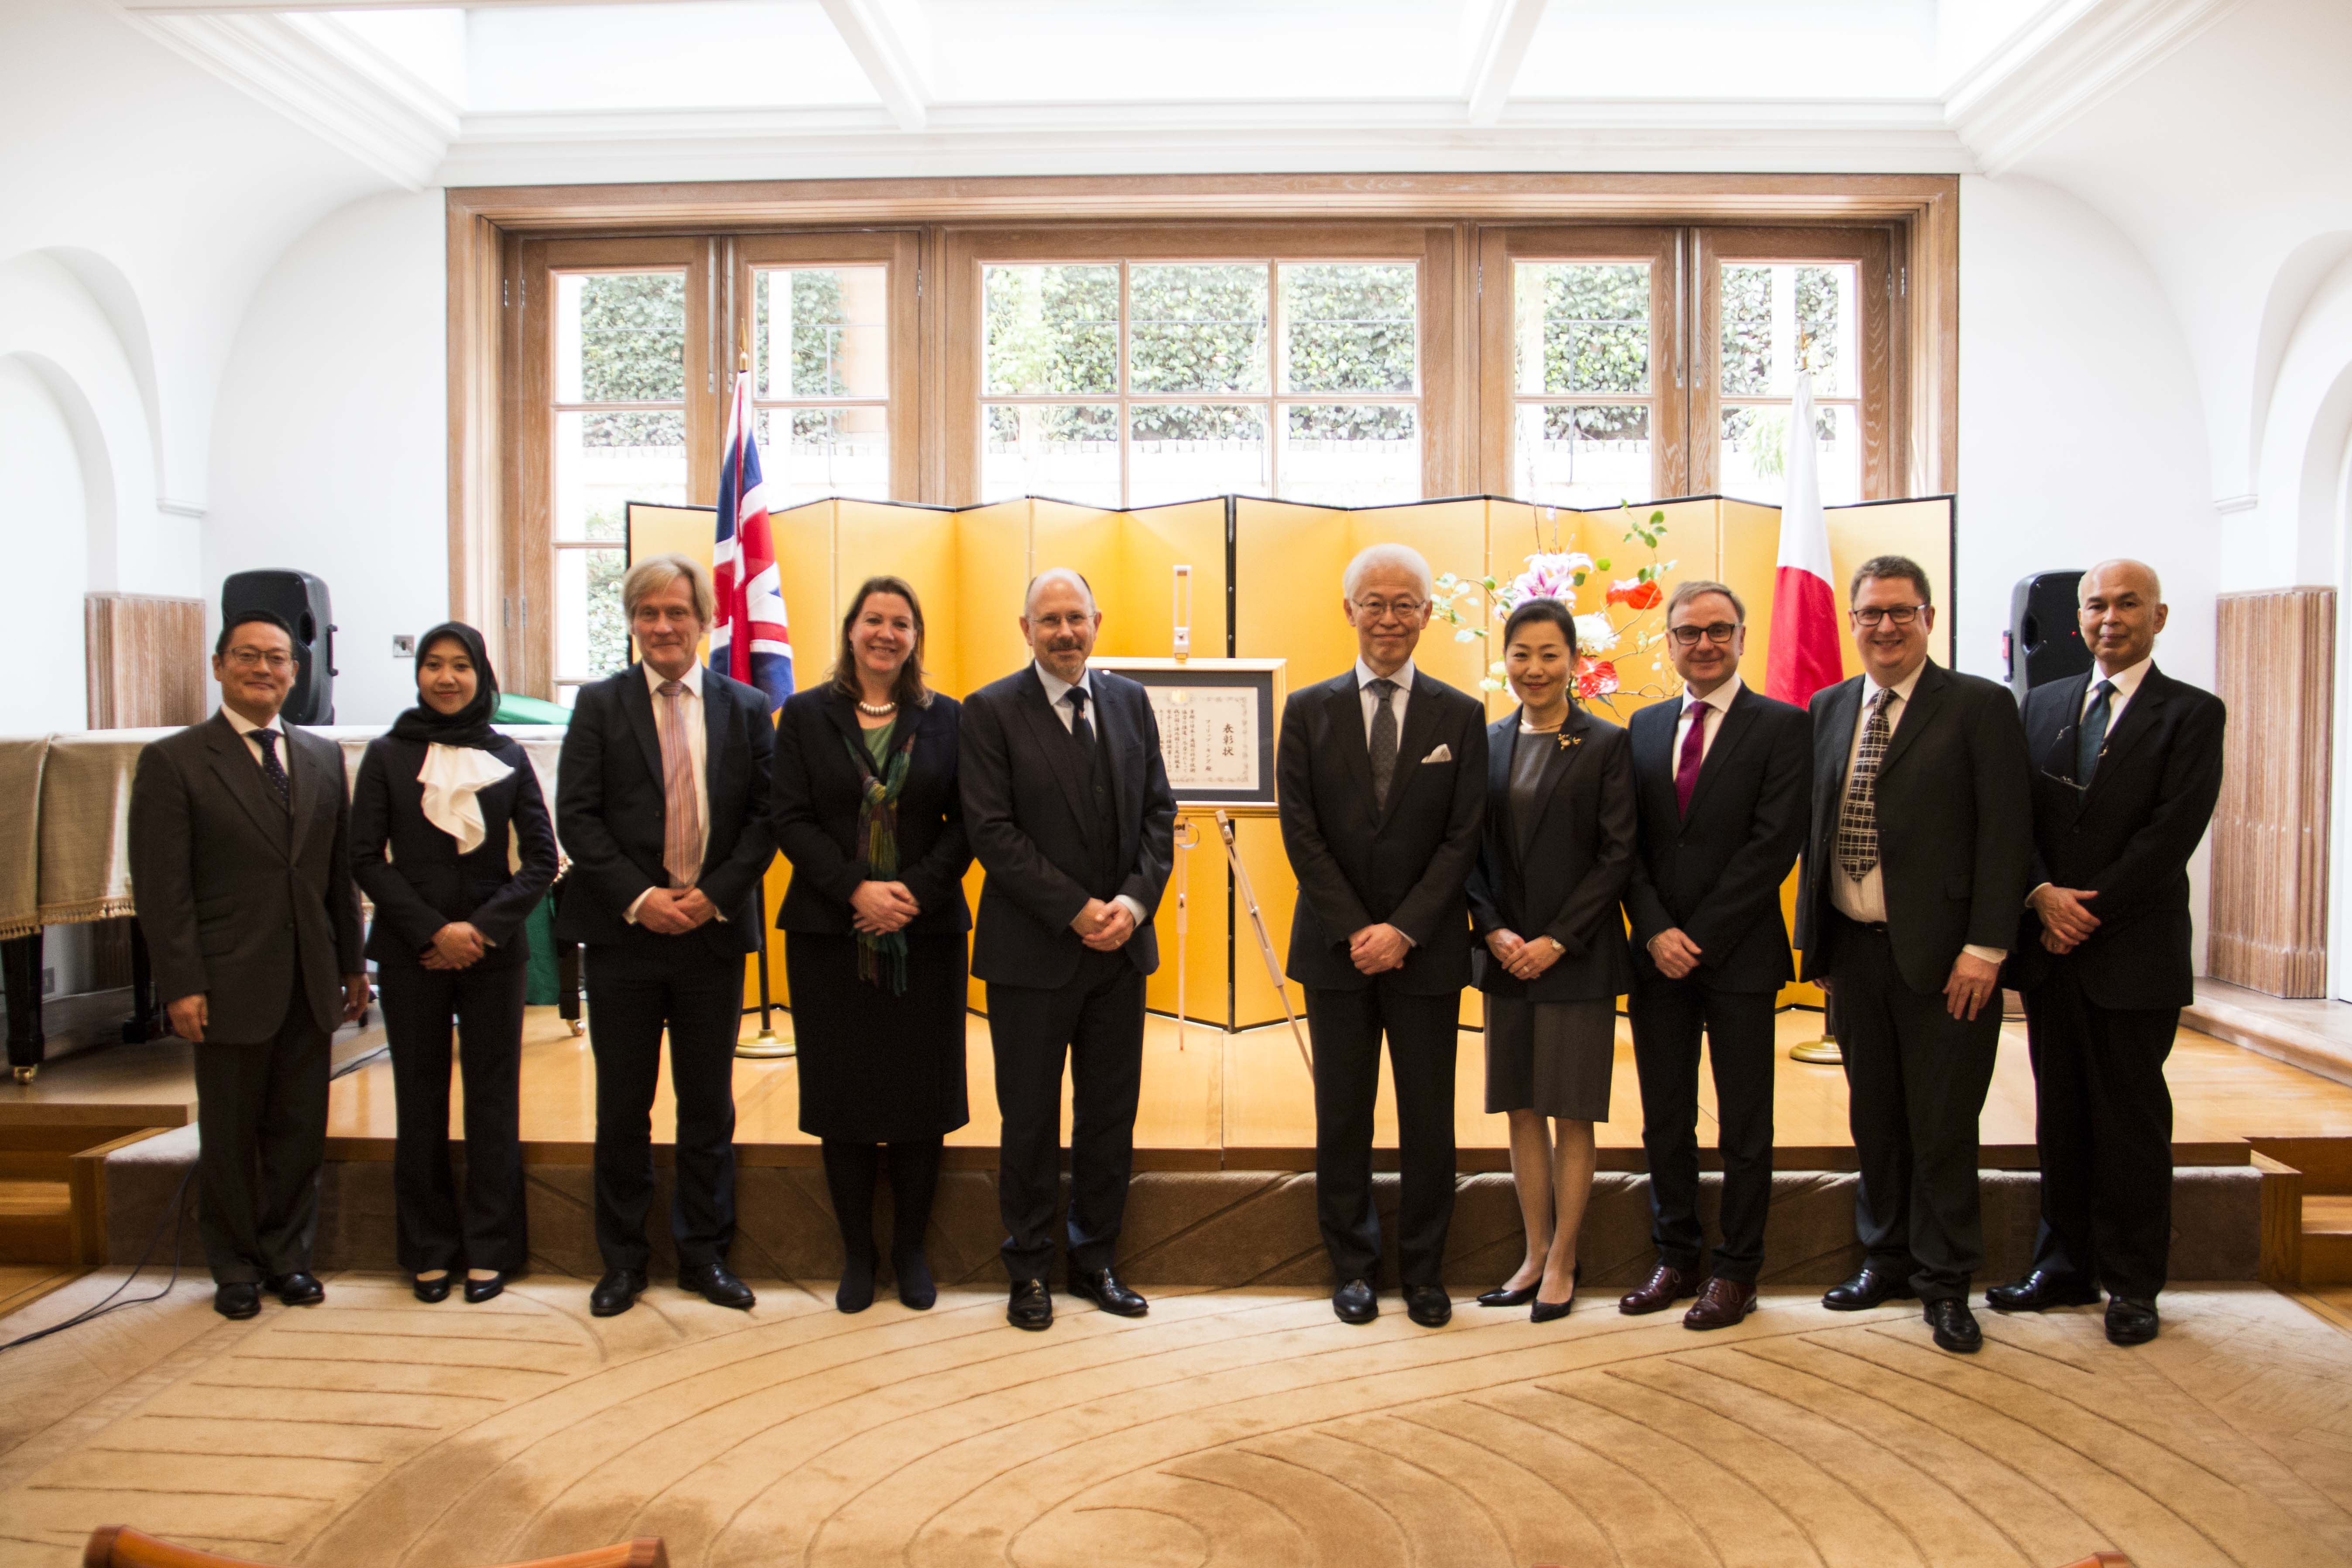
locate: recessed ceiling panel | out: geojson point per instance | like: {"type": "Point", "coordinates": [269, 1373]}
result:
{"type": "Point", "coordinates": [692, 56]}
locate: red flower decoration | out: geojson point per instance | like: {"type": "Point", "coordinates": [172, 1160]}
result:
{"type": "Point", "coordinates": [1595, 677]}
{"type": "Point", "coordinates": [1634, 594]}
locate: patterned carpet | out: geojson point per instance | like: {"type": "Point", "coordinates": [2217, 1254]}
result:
{"type": "Point", "coordinates": [1240, 1427]}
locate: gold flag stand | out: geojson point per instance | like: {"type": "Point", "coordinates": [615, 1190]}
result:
{"type": "Point", "coordinates": [1824, 1051]}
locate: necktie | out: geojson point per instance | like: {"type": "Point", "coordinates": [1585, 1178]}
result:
{"type": "Point", "coordinates": [2090, 736]}
{"type": "Point", "coordinates": [681, 813]}
{"type": "Point", "coordinates": [1686, 765]}
{"type": "Point", "coordinates": [274, 770]}
{"type": "Point", "coordinates": [1857, 828]}
{"type": "Point", "coordinates": [1080, 725]}
{"type": "Point", "coordinates": [1383, 739]}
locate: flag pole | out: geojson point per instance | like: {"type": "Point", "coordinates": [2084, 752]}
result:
{"type": "Point", "coordinates": [1801, 464]}
{"type": "Point", "coordinates": [767, 1044]}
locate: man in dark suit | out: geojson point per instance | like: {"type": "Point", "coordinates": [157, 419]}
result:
{"type": "Point", "coordinates": [662, 803]}
{"type": "Point", "coordinates": [240, 831]}
{"type": "Point", "coordinates": [1917, 862]}
{"type": "Point", "coordinates": [1067, 802]}
{"type": "Point", "coordinates": [1382, 777]}
{"type": "Point", "coordinates": [1723, 781]}
{"type": "Point", "coordinates": [2129, 766]}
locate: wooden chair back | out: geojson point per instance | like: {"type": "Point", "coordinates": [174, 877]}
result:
{"type": "Point", "coordinates": [120, 1546]}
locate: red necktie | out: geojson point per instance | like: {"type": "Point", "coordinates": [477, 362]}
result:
{"type": "Point", "coordinates": [1686, 765]}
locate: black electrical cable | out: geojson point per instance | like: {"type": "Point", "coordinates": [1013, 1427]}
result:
{"type": "Point", "coordinates": [177, 1215]}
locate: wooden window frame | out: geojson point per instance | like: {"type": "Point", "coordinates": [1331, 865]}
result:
{"type": "Point", "coordinates": [494, 472]}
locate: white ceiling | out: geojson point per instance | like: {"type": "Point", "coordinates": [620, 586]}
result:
{"type": "Point", "coordinates": [509, 90]}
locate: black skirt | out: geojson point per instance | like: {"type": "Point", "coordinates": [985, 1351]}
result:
{"type": "Point", "coordinates": [875, 1068]}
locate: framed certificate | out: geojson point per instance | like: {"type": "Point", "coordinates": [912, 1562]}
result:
{"type": "Point", "coordinates": [1217, 722]}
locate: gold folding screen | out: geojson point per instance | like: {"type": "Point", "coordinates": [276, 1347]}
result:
{"type": "Point", "coordinates": [1285, 560]}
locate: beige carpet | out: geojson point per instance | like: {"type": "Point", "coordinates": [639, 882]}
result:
{"type": "Point", "coordinates": [1234, 1428]}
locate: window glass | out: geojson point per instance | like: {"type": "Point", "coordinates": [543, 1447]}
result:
{"type": "Point", "coordinates": [1066, 451]}
{"type": "Point", "coordinates": [1755, 460]}
{"type": "Point", "coordinates": [620, 337]}
{"type": "Point", "coordinates": [820, 332]}
{"type": "Point", "coordinates": [1582, 454]}
{"type": "Point", "coordinates": [1582, 327]}
{"type": "Point", "coordinates": [1350, 455]}
{"type": "Point", "coordinates": [1350, 327]}
{"type": "Point", "coordinates": [1779, 318]}
{"type": "Point", "coordinates": [1197, 329]}
{"type": "Point", "coordinates": [1181, 451]}
{"type": "Point", "coordinates": [1050, 330]}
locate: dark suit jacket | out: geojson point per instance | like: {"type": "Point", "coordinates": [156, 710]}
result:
{"type": "Point", "coordinates": [1955, 821]}
{"type": "Point", "coordinates": [818, 787]}
{"type": "Point", "coordinates": [1567, 883]}
{"type": "Point", "coordinates": [414, 873]}
{"type": "Point", "coordinates": [1715, 873]}
{"type": "Point", "coordinates": [238, 895]}
{"type": "Point", "coordinates": [2128, 837]}
{"type": "Point", "coordinates": [609, 808]}
{"type": "Point", "coordinates": [1358, 865]}
{"type": "Point", "coordinates": [1022, 811]}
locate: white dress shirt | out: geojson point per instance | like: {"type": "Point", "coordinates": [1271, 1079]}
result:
{"type": "Point", "coordinates": [245, 728]}
{"type": "Point", "coordinates": [1866, 900]}
{"type": "Point", "coordinates": [1709, 710]}
{"type": "Point", "coordinates": [1055, 688]}
{"type": "Point", "coordinates": [698, 742]}
{"type": "Point", "coordinates": [1365, 676]}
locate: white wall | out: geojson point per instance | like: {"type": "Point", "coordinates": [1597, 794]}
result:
{"type": "Point", "coordinates": [330, 451]}
{"type": "Point", "coordinates": [44, 537]}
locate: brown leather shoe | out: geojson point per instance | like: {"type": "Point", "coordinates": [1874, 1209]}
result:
{"type": "Point", "coordinates": [1721, 1303]}
{"type": "Point", "coordinates": [1664, 1288]}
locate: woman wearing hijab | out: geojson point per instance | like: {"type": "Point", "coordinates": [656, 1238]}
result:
{"type": "Point", "coordinates": [451, 840]}
{"type": "Point", "coordinates": [868, 813]}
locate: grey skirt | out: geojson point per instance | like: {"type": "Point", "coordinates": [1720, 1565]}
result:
{"type": "Point", "coordinates": [1551, 1057]}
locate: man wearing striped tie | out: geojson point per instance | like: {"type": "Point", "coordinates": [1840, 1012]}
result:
{"type": "Point", "coordinates": [662, 804]}
{"type": "Point", "coordinates": [1917, 864]}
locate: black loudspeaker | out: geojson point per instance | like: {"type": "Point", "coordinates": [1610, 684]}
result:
{"type": "Point", "coordinates": [300, 601]}
{"type": "Point", "coordinates": [2045, 631]}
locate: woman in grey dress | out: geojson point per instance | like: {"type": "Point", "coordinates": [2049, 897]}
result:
{"type": "Point", "coordinates": [1558, 851]}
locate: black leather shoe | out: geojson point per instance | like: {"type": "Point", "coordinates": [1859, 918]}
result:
{"type": "Point", "coordinates": [479, 1290]}
{"type": "Point", "coordinates": [1428, 1305]}
{"type": "Point", "coordinates": [1355, 1303]}
{"type": "Point", "coordinates": [1865, 1290]}
{"type": "Point", "coordinates": [2130, 1321]}
{"type": "Point", "coordinates": [715, 1285]}
{"type": "Point", "coordinates": [1955, 1325]}
{"type": "Point", "coordinates": [1499, 1297]}
{"type": "Point", "coordinates": [1101, 1287]}
{"type": "Point", "coordinates": [240, 1299]}
{"type": "Point", "coordinates": [1031, 1306]}
{"type": "Point", "coordinates": [430, 1290]}
{"type": "Point", "coordinates": [2039, 1291]}
{"type": "Point", "coordinates": [298, 1289]}
{"type": "Point", "coordinates": [616, 1292]}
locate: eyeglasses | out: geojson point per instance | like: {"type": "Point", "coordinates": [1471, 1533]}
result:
{"type": "Point", "coordinates": [254, 658]}
{"type": "Point", "coordinates": [1382, 609]}
{"type": "Point", "coordinates": [1901, 614]}
{"type": "Point", "coordinates": [1717, 632]}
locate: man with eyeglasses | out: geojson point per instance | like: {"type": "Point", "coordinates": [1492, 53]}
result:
{"type": "Point", "coordinates": [240, 859]}
{"type": "Point", "coordinates": [2128, 767]}
{"type": "Point", "coordinates": [1918, 861]}
{"type": "Point", "coordinates": [1722, 782]}
{"type": "Point", "coordinates": [1382, 775]}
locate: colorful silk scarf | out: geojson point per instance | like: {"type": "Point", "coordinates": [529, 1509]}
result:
{"type": "Point", "coordinates": [877, 830]}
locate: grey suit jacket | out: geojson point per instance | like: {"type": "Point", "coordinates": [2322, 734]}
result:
{"type": "Point", "coordinates": [238, 895]}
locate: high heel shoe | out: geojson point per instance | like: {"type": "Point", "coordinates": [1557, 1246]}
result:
{"type": "Point", "coordinates": [916, 1289]}
{"type": "Point", "coordinates": [1544, 1311]}
{"type": "Point", "coordinates": [430, 1290]}
{"type": "Point", "coordinates": [1501, 1296]}
{"type": "Point", "coordinates": [856, 1291]}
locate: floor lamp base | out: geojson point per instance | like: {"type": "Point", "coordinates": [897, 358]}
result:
{"type": "Point", "coordinates": [1820, 1053]}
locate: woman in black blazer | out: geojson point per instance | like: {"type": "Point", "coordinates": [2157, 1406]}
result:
{"type": "Point", "coordinates": [451, 840]}
{"type": "Point", "coordinates": [867, 811]}
{"type": "Point", "coordinates": [1555, 858]}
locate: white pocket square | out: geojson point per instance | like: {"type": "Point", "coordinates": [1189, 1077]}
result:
{"type": "Point", "coordinates": [1445, 753]}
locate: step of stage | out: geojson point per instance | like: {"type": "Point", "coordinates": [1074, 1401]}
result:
{"type": "Point", "coordinates": [1210, 1228]}
{"type": "Point", "coordinates": [36, 1221]}
{"type": "Point", "coordinates": [2327, 1239]}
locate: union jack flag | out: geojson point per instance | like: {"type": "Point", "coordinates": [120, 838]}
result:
{"type": "Point", "coordinates": [752, 640]}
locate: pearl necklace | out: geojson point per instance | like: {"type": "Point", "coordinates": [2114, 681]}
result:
{"type": "Point", "coordinates": [883, 711]}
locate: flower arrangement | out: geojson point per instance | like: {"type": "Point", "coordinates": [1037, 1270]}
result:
{"type": "Point", "coordinates": [1625, 619]}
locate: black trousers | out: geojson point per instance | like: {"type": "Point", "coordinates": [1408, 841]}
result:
{"type": "Point", "coordinates": [261, 1115]}
{"type": "Point", "coordinates": [636, 989]}
{"type": "Point", "coordinates": [437, 1227]}
{"type": "Point", "coordinates": [1097, 1019]}
{"type": "Point", "coordinates": [1668, 1017]}
{"type": "Point", "coordinates": [2104, 1122]}
{"type": "Point", "coordinates": [1422, 1033]}
{"type": "Point", "coordinates": [1915, 1081]}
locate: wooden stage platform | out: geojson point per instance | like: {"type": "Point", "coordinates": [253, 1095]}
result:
{"type": "Point", "coordinates": [1220, 1103]}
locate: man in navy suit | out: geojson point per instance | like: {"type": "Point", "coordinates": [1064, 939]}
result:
{"type": "Point", "coordinates": [1068, 805]}
{"type": "Point", "coordinates": [2127, 769]}
{"type": "Point", "coordinates": [662, 803]}
{"type": "Point", "coordinates": [1722, 780]}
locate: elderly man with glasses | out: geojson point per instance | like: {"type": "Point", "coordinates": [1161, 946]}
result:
{"type": "Point", "coordinates": [1918, 862]}
{"type": "Point", "coordinates": [1382, 776]}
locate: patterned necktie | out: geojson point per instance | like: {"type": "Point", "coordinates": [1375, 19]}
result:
{"type": "Point", "coordinates": [1857, 828]}
{"type": "Point", "coordinates": [272, 768]}
{"type": "Point", "coordinates": [681, 813]}
{"type": "Point", "coordinates": [1694, 750]}
{"type": "Point", "coordinates": [2090, 736]}
{"type": "Point", "coordinates": [1383, 739]}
